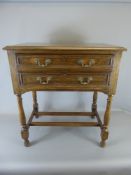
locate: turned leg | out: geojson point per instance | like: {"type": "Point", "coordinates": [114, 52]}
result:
{"type": "Point", "coordinates": [35, 104]}
{"type": "Point", "coordinates": [94, 104]}
{"type": "Point", "coordinates": [104, 130]}
{"type": "Point", "coordinates": [24, 131]}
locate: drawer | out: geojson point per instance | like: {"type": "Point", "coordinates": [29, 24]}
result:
{"type": "Point", "coordinates": [63, 80]}
{"type": "Point", "coordinates": [51, 61]}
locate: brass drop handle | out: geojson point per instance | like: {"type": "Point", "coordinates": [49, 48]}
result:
{"type": "Point", "coordinates": [85, 81]}
{"type": "Point", "coordinates": [47, 62]}
{"type": "Point", "coordinates": [91, 63]}
{"type": "Point", "coordinates": [41, 81]}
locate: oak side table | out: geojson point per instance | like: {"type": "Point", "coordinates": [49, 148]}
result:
{"type": "Point", "coordinates": [38, 67]}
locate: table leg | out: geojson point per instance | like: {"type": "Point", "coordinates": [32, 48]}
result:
{"type": "Point", "coordinates": [104, 131]}
{"type": "Point", "coordinates": [35, 104]}
{"type": "Point", "coordinates": [94, 104]}
{"type": "Point", "coordinates": [24, 131]}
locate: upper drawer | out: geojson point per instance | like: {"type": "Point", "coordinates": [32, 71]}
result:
{"type": "Point", "coordinates": [64, 60]}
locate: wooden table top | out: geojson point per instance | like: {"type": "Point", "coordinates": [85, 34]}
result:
{"type": "Point", "coordinates": [40, 46]}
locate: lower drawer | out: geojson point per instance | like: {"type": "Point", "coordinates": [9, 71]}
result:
{"type": "Point", "coordinates": [63, 80]}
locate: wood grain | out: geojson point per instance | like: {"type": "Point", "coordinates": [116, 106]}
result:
{"type": "Point", "coordinates": [89, 68]}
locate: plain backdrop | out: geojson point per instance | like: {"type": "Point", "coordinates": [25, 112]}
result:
{"type": "Point", "coordinates": [65, 23]}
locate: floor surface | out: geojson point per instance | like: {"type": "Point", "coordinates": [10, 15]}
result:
{"type": "Point", "coordinates": [66, 150]}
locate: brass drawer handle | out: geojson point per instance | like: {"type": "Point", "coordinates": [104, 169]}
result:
{"type": "Point", "coordinates": [41, 81]}
{"type": "Point", "coordinates": [85, 81]}
{"type": "Point", "coordinates": [91, 63]}
{"type": "Point", "coordinates": [47, 62]}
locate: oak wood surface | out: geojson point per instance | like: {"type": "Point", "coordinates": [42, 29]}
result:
{"type": "Point", "coordinates": [90, 68]}
{"type": "Point", "coordinates": [74, 114]}
{"type": "Point", "coordinates": [39, 46]}
{"type": "Point", "coordinates": [64, 124]}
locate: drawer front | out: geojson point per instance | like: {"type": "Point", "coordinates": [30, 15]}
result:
{"type": "Point", "coordinates": [80, 80]}
{"type": "Point", "coordinates": [51, 61]}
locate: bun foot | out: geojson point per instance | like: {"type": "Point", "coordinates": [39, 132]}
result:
{"type": "Point", "coordinates": [26, 143]}
{"type": "Point", "coordinates": [102, 144]}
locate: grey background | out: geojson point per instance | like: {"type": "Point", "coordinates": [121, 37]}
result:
{"type": "Point", "coordinates": [93, 1]}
